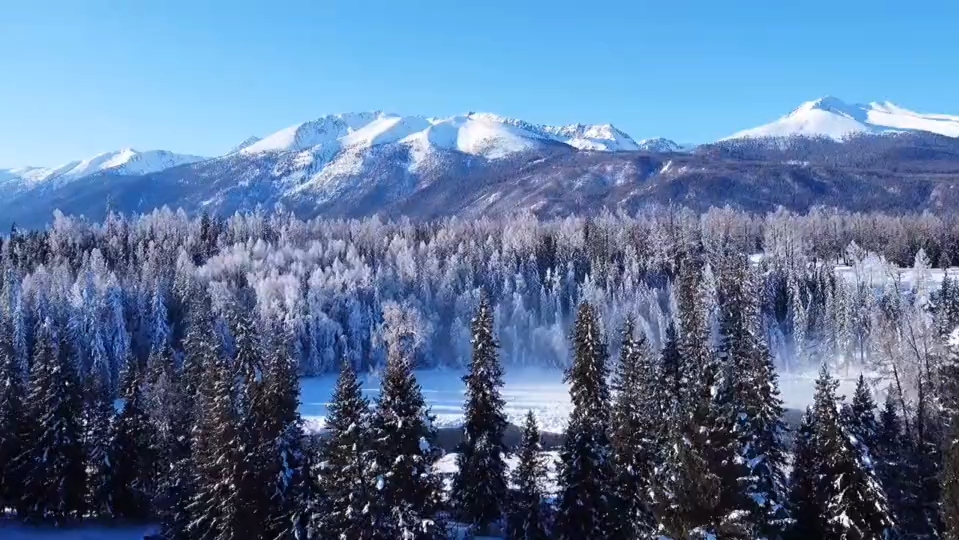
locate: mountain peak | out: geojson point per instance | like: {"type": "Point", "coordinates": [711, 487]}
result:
{"type": "Point", "coordinates": [836, 119]}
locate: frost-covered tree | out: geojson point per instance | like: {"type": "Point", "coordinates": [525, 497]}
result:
{"type": "Point", "coordinates": [480, 485]}
{"type": "Point", "coordinates": [132, 452]}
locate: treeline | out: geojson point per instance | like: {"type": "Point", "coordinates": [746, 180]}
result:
{"type": "Point", "coordinates": [680, 441]}
{"type": "Point", "coordinates": [116, 285]}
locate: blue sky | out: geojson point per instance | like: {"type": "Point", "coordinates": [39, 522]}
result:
{"type": "Point", "coordinates": [82, 77]}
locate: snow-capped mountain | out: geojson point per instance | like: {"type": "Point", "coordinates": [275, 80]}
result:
{"type": "Point", "coordinates": [479, 134]}
{"type": "Point", "coordinates": [660, 144]}
{"type": "Point", "coordinates": [833, 118]}
{"type": "Point", "coordinates": [246, 142]}
{"type": "Point", "coordinates": [126, 161]}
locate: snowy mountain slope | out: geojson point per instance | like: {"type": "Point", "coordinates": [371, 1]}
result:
{"type": "Point", "coordinates": [833, 118]}
{"type": "Point", "coordinates": [126, 161]}
{"type": "Point", "coordinates": [480, 134]}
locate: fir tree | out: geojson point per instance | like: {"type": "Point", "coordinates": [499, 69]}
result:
{"type": "Point", "coordinates": [807, 495]}
{"type": "Point", "coordinates": [748, 444]}
{"type": "Point", "coordinates": [950, 475]}
{"type": "Point", "coordinates": [890, 460]}
{"type": "Point", "coordinates": [280, 433]}
{"type": "Point", "coordinates": [634, 431]}
{"type": "Point", "coordinates": [860, 415]}
{"type": "Point", "coordinates": [216, 507]}
{"type": "Point", "coordinates": [347, 493]}
{"type": "Point", "coordinates": [688, 487]}
{"type": "Point", "coordinates": [527, 519]}
{"type": "Point", "coordinates": [403, 432]}
{"type": "Point", "coordinates": [12, 420]}
{"type": "Point", "coordinates": [847, 500]}
{"type": "Point", "coordinates": [55, 478]}
{"type": "Point", "coordinates": [97, 418]}
{"type": "Point", "coordinates": [587, 498]}
{"type": "Point", "coordinates": [132, 453]}
{"type": "Point", "coordinates": [479, 486]}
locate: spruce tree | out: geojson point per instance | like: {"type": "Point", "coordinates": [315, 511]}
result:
{"type": "Point", "coordinates": [635, 431]}
{"type": "Point", "coordinates": [98, 415]}
{"type": "Point", "coordinates": [527, 519]}
{"type": "Point", "coordinates": [587, 498]}
{"type": "Point", "coordinates": [347, 496]}
{"type": "Point", "coordinates": [748, 444]}
{"type": "Point", "coordinates": [53, 464]}
{"type": "Point", "coordinates": [807, 494]}
{"type": "Point", "coordinates": [403, 433]}
{"type": "Point", "coordinates": [688, 487]}
{"type": "Point", "coordinates": [216, 507]}
{"type": "Point", "coordinates": [12, 419]}
{"type": "Point", "coordinates": [847, 500]}
{"type": "Point", "coordinates": [860, 415]}
{"type": "Point", "coordinates": [479, 486]}
{"type": "Point", "coordinates": [950, 474]}
{"type": "Point", "coordinates": [132, 452]}
{"type": "Point", "coordinates": [890, 460]}
{"type": "Point", "coordinates": [280, 433]}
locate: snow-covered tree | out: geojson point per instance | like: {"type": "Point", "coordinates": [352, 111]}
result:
{"type": "Point", "coordinates": [480, 485]}
{"type": "Point", "coordinates": [527, 516]}
{"type": "Point", "coordinates": [587, 484]}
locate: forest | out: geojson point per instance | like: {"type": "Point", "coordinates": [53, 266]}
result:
{"type": "Point", "coordinates": [150, 366]}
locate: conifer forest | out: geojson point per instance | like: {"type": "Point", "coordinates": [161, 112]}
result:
{"type": "Point", "coordinates": [150, 372]}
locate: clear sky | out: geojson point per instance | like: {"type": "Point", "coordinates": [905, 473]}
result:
{"type": "Point", "coordinates": [78, 77]}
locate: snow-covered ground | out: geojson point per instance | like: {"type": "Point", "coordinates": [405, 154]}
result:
{"type": "Point", "coordinates": [20, 532]}
{"type": "Point", "coordinates": [539, 390]}
{"type": "Point", "coordinates": [446, 467]}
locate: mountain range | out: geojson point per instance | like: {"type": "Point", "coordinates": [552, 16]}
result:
{"type": "Point", "coordinates": [859, 156]}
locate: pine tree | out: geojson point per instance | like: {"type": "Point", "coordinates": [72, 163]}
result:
{"type": "Point", "coordinates": [347, 493]}
{"type": "Point", "coordinates": [403, 432]}
{"type": "Point", "coordinates": [890, 460]}
{"type": "Point", "coordinates": [55, 479]}
{"type": "Point", "coordinates": [587, 498]}
{"type": "Point", "coordinates": [98, 414]}
{"type": "Point", "coordinates": [688, 486]}
{"type": "Point", "coordinates": [527, 519]}
{"type": "Point", "coordinates": [847, 501]}
{"type": "Point", "coordinates": [635, 431]}
{"type": "Point", "coordinates": [748, 444]}
{"type": "Point", "coordinates": [479, 486]}
{"type": "Point", "coordinates": [12, 420]}
{"type": "Point", "coordinates": [132, 453]}
{"type": "Point", "coordinates": [280, 434]}
{"type": "Point", "coordinates": [860, 415]}
{"type": "Point", "coordinates": [950, 476]}
{"type": "Point", "coordinates": [216, 507]}
{"type": "Point", "coordinates": [807, 495]}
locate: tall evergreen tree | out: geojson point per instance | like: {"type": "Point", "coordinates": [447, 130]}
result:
{"type": "Point", "coordinates": [527, 519]}
{"type": "Point", "coordinates": [54, 473]}
{"type": "Point", "coordinates": [216, 507]}
{"type": "Point", "coordinates": [846, 502]}
{"type": "Point", "coordinates": [13, 422]}
{"type": "Point", "coordinates": [403, 432]}
{"type": "Point", "coordinates": [346, 496]}
{"type": "Point", "coordinates": [132, 453]}
{"type": "Point", "coordinates": [98, 415]}
{"type": "Point", "coordinates": [950, 476]}
{"type": "Point", "coordinates": [688, 487]}
{"type": "Point", "coordinates": [889, 457]}
{"type": "Point", "coordinates": [587, 499]}
{"type": "Point", "coordinates": [860, 415]}
{"type": "Point", "coordinates": [479, 486]}
{"type": "Point", "coordinates": [748, 443]}
{"type": "Point", "coordinates": [635, 431]}
{"type": "Point", "coordinates": [280, 434]}
{"type": "Point", "coordinates": [808, 497]}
